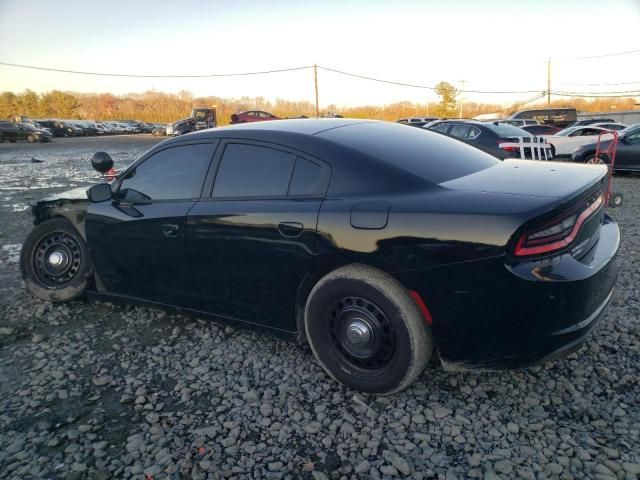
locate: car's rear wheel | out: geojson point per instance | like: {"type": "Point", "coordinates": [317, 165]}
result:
{"type": "Point", "coordinates": [600, 159]}
{"type": "Point", "coordinates": [55, 261]}
{"type": "Point", "coordinates": [366, 331]}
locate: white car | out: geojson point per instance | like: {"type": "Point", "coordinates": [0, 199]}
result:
{"type": "Point", "coordinates": [611, 126]}
{"type": "Point", "coordinates": [566, 141]}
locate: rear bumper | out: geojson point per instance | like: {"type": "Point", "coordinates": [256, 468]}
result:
{"type": "Point", "coordinates": [492, 316]}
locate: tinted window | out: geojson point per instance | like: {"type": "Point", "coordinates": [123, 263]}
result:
{"type": "Point", "coordinates": [253, 171]}
{"type": "Point", "coordinates": [307, 178]}
{"type": "Point", "coordinates": [441, 127]}
{"type": "Point", "coordinates": [459, 130]}
{"type": "Point", "coordinates": [473, 133]}
{"type": "Point", "coordinates": [172, 174]}
{"type": "Point", "coordinates": [434, 157]}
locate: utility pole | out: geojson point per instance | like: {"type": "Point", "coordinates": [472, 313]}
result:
{"type": "Point", "coordinates": [315, 77]}
{"type": "Point", "coordinates": [461, 96]}
{"type": "Point", "coordinates": [549, 81]}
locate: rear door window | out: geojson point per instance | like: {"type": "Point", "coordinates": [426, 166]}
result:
{"type": "Point", "coordinates": [441, 127]}
{"type": "Point", "coordinates": [459, 130]}
{"type": "Point", "coordinates": [307, 179]}
{"type": "Point", "coordinates": [253, 171]}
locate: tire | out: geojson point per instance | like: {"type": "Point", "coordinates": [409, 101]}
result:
{"type": "Point", "coordinates": [600, 160]}
{"type": "Point", "coordinates": [1, 139]}
{"type": "Point", "coordinates": [31, 138]}
{"type": "Point", "coordinates": [13, 140]}
{"type": "Point", "coordinates": [616, 200]}
{"type": "Point", "coordinates": [42, 278]}
{"type": "Point", "coordinates": [399, 343]}
{"type": "Point", "coordinates": [553, 150]}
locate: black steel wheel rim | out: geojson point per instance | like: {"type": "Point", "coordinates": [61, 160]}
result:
{"type": "Point", "coordinates": [361, 334]}
{"type": "Point", "coordinates": [56, 258]}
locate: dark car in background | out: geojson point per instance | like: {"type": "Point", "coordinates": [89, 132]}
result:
{"type": "Point", "coordinates": [252, 116]}
{"type": "Point", "coordinates": [558, 117]}
{"type": "Point", "coordinates": [498, 139]}
{"type": "Point", "coordinates": [627, 151]}
{"type": "Point", "coordinates": [58, 128]}
{"type": "Point", "coordinates": [33, 134]}
{"type": "Point", "coordinates": [371, 241]}
{"type": "Point", "coordinates": [541, 129]}
{"type": "Point", "coordinates": [10, 132]}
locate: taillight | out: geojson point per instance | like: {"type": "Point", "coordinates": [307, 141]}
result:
{"type": "Point", "coordinates": [557, 233]}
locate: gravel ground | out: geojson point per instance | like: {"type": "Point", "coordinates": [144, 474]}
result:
{"type": "Point", "coordinates": [99, 391]}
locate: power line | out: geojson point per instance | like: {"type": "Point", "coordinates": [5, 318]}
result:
{"type": "Point", "coordinates": [615, 54]}
{"type": "Point", "coordinates": [413, 85]}
{"type": "Point", "coordinates": [341, 72]}
{"type": "Point", "coordinates": [598, 84]}
{"type": "Point", "coordinates": [133, 75]}
{"type": "Point", "coordinates": [629, 92]}
{"type": "Point", "coordinates": [526, 102]}
{"type": "Point", "coordinates": [580, 95]}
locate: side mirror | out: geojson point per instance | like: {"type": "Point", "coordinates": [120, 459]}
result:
{"type": "Point", "coordinates": [99, 193]}
{"type": "Point", "coordinates": [623, 139]}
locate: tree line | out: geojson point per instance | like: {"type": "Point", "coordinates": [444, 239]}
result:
{"type": "Point", "coordinates": [161, 107]}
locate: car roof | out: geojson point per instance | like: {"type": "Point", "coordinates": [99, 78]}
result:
{"type": "Point", "coordinates": [307, 126]}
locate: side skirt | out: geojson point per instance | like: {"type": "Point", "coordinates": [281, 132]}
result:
{"type": "Point", "coordinates": [126, 300]}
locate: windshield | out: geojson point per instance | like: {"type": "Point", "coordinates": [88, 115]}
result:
{"type": "Point", "coordinates": [630, 129]}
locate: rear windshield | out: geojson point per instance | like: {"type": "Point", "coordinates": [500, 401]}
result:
{"type": "Point", "coordinates": [430, 155]}
{"type": "Point", "coordinates": [504, 130]}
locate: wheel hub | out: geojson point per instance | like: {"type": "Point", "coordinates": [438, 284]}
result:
{"type": "Point", "coordinates": [58, 258]}
{"type": "Point", "coordinates": [362, 333]}
{"type": "Point", "coordinates": [359, 332]}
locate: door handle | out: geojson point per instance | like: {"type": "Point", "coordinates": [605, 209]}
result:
{"type": "Point", "coordinates": [290, 229]}
{"type": "Point", "coordinates": [170, 230]}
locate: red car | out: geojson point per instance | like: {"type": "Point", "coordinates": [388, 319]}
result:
{"type": "Point", "coordinates": [541, 129]}
{"type": "Point", "coordinates": [252, 116]}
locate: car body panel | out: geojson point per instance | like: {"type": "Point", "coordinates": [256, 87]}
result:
{"type": "Point", "coordinates": [254, 260]}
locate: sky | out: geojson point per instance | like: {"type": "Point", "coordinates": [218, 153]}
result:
{"type": "Point", "coordinates": [494, 45]}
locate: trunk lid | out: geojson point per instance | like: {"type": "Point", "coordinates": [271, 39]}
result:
{"type": "Point", "coordinates": [532, 178]}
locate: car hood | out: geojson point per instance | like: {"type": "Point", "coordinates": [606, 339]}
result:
{"type": "Point", "coordinates": [531, 178]}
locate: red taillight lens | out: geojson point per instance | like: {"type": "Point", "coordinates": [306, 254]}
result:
{"type": "Point", "coordinates": [556, 234]}
{"type": "Point", "coordinates": [506, 146]}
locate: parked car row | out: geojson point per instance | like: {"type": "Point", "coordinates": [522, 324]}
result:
{"type": "Point", "coordinates": [45, 129]}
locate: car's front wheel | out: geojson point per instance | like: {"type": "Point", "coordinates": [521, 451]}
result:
{"type": "Point", "coordinates": [55, 261]}
{"type": "Point", "coordinates": [366, 331]}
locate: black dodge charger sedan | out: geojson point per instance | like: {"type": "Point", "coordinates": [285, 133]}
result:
{"type": "Point", "coordinates": [372, 241]}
